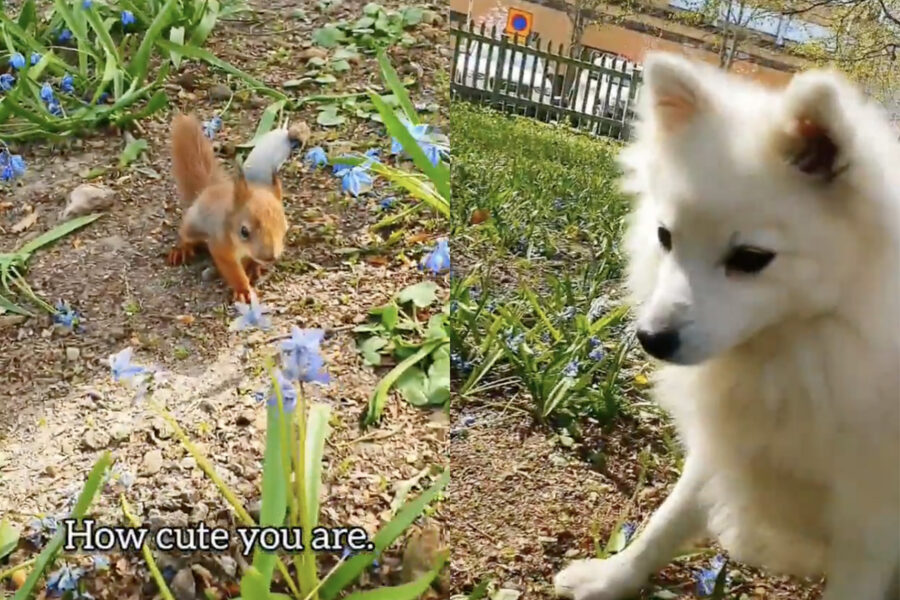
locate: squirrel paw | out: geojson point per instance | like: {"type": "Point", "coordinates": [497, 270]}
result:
{"type": "Point", "coordinates": [243, 296]}
{"type": "Point", "coordinates": [180, 255]}
{"type": "Point", "coordinates": [254, 271]}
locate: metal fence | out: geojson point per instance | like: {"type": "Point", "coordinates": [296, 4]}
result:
{"type": "Point", "coordinates": [594, 92]}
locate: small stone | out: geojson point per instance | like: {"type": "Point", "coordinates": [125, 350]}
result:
{"type": "Point", "coordinates": [51, 471]}
{"type": "Point", "coordinates": [120, 431]}
{"type": "Point", "coordinates": [94, 439]}
{"type": "Point", "coordinates": [200, 512]}
{"type": "Point", "coordinates": [219, 92]}
{"type": "Point", "coordinates": [313, 53]}
{"type": "Point", "coordinates": [72, 353]}
{"type": "Point", "coordinates": [183, 586]}
{"type": "Point", "coordinates": [87, 198]}
{"type": "Point", "coordinates": [152, 462]}
{"type": "Point", "coordinates": [11, 320]}
{"type": "Point", "coordinates": [208, 274]}
{"type": "Point", "coordinates": [188, 463]}
{"type": "Point", "coordinates": [229, 565]}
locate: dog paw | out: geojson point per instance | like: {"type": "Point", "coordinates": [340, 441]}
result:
{"type": "Point", "coordinates": [598, 580]}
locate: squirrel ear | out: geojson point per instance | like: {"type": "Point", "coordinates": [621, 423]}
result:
{"type": "Point", "coordinates": [276, 185]}
{"type": "Point", "coordinates": [241, 189]}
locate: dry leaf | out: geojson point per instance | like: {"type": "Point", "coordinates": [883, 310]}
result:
{"type": "Point", "coordinates": [185, 319]}
{"type": "Point", "coordinates": [479, 215]}
{"type": "Point", "coordinates": [26, 222]}
{"type": "Point", "coordinates": [417, 238]}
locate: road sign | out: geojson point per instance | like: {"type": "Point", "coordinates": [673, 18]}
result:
{"type": "Point", "coordinates": [519, 22]}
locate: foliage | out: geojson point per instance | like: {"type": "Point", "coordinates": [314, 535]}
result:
{"type": "Point", "coordinates": [539, 207]}
{"type": "Point", "coordinates": [377, 28]}
{"type": "Point", "coordinates": [422, 353]}
{"type": "Point", "coordinates": [13, 265]}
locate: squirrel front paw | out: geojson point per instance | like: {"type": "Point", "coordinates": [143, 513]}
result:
{"type": "Point", "coordinates": [243, 296]}
{"type": "Point", "coordinates": [254, 270]}
{"type": "Point", "coordinates": [180, 255]}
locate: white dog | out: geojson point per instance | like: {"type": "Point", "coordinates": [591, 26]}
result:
{"type": "Point", "coordinates": [765, 268]}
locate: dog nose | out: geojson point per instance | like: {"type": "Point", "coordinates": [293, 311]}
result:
{"type": "Point", "coordinates": [660, 344]}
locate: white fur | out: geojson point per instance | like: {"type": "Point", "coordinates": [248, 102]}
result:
{"type": "Point", "coordinates": [786, 387]}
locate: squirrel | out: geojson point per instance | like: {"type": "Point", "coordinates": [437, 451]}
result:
{"type": "Point", "coordinates": [242, 223]}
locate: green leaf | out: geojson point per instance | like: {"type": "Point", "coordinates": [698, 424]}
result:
{"type": "Point", "coordinates": [326, 78]}
{"type": "Point", "coordinates": [437, 327]}
{"type": "Point", "coordinates": [56, 233]}
{"type": "Point", "coordinates": [422, 294]}
{"type": "Point", "coordinates": [369, 349]}
{"type": "Point", "coordinates": [390, 314]}
{"type": "Point", "coordinates": [9, 539]}
{"type": "Point", "coordinates": [328, 36]}
{"type": "Point", "coordinates": [347, 573]}
{"type": "Point", "coordinates": [346, 53]}
{"type": "Point", "coordinates": [176, 36]}
{"type": "Point", "coordinates": [372, 8]}
{"type": "Point", "coordinates": [413, 15]}
{"type": "Point", "coordinates": [409, 591]}
{"type": "Point", "coordinates": [266, 122]}
{"type": "Point", "coordinates": [90, 489]}
{"type": "Point", "coordinates": [131, 152]}
{"type": "Point", "coordinates": [413, 386]}
{"type": "Point", "coordinates": [379, 396]}
{"type": "Point", "coordinates": [206, 24]}
{"type": "Point", "coordinates": [329, 117]}
{"type": "Point", "coordinates": [140, 62]}
{"type": "Point", "coordinates": [340, 66]}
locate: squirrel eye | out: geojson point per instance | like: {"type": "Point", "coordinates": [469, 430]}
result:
{"type": "Point", "coordinates": [245, 232]}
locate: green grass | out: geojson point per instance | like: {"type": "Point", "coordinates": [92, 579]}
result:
{"type": "Point", "coordinates": [536, 220]}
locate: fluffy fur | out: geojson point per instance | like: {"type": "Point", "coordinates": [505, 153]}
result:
{"type": "Point", "coordinates": [785, 384]}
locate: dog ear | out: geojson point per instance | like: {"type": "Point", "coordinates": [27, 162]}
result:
{"type": "Point", "coordinates": [815, 130]}
{"type": "Point", "coordinates": [676, 92]}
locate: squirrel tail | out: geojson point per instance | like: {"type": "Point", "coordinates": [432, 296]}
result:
{"type": "Point", "coordinates": [193, 161]}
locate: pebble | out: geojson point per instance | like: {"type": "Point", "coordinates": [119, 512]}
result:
{"type": "Point", "coordinates": [88, 198]}
{"type": "Point", "coordinates": [152, 462]}
{"type": "Point", "coordinates": [219, 92]}
{"type": "Point", "coordinates": [229, 565]}
{"type": "Point", "coordinates": [183, 586]}
{"type": "Point", "coordinates": [72, 353]}
{"type": "Point", "coordinates": [188, 463]}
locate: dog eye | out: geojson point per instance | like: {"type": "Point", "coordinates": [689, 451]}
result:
{"type": "Point", "coordinates": [665, 238]}
{"type": "Point", "coordinates": [745, 259]}
{"type": "Point", "coordinates": [245, 232]}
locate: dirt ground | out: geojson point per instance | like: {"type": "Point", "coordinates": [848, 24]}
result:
{"type": "Point", "coordinates": [523, 503]}
{"type": "Point", "coordinates": [58, 406]}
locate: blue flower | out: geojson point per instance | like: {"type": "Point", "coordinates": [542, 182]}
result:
{"type": "Point", "coordinates": [251, 315]}
{"type": "Point", "coordinates": [454, 306]}
{"type": "Point", "coordinates": [596, 354]}
{"type": "Point", "coordinates": [127, 18]}
{"type": "Point", "coordinates": [54, 108]}
{"type": "Point", "coordinates": [372, 154]}
{"type": "Point", "coordinates": [571, 369]}
{"type": "Point", "coordinates": [439, 258]}
{"type": "Point", "coordinates": [568, 313]}
{"type": "Point", "coordinates": [628, 529]}
{"type": "Point", "coordinates": [212, 127]}
{"type": "Point", "coordinates": [122, 369]}
{"type": "Point", "coordinates": [418, 133]}
{"type": "Point", "coordinates": [67, 85]}
{"type": "Point", "coordinates": [347, 553]}
{"type": "Point", "coordinates": [47, 93]}
{"type": "Point", "coordinates": [65, 316]}
{"type": "Point", "coordinates": [64, 580]}
{"type": "Point", "coordinates": [86, 4]}
{"type": "Point", "coordinates": [706, 578]}
{"type": "Point", "coordinates": [11, 165]}
{"type": "Point", "coordinates": [288, 393]}
{"type": "Point", "coordinates": [102, 98]}
{"type": "Point", "coordinates": [17, 61]}
{"type": "Point", "coordinates": [302, 358]}
{"type": "Point", "coordinates": [356, 181]}
{"type": "Point", "coordinates": [514, 341]}
{"type": "Point", "coordinates": [35, 58]}
{"type": "Point", "coordinates": [7, 81]}
{"type": "Point", "coordinates": [317, 157]}
{"type": "Point", "coordinates": [338, 169]}
{"type": "Point", "coordinates": [64, 36]}
{"type": "Point", "coordinates": [100, 562]}
{"type": "Point", "coordinates": [425, 139]}
{"type": "Point", "coordinates": [387, 203]}
{"type": "Point", "coordinates": [6, 173]}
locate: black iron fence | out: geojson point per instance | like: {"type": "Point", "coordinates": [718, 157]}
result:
{"type": "Point", "coordinates": [594, 92]}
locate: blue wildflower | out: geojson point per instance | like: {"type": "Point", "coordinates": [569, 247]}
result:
{"type": "Point", "coordinates": [596, 354]}
{"type": "Point", "coordinates": [454, 306]}
{"type": "Point", "coordinates": [426, 140]}
{"type": "Point", "coordinates": [6, 173]}
{"type": "Point", "coordinates": [47, 93]}
{"type": "Point", "coordinates": [514, 341]}
{"type": "Point", "coordinates": [64, 36]}
{"type": "Point", "coordinates": [302, 358]}
{"type": "Point", "coordinates": [568, 313]}
{"type": "Point", "coordinates": [212, 127]}
{"type": "Point", "coordinates": [251, 315]}
{"type": "Point", "coordinates": [338, 169]}
{"type": "Point", "coordinates": [35, 58]}
{"type": "Point", "coordinates": [439, 258]}
{"type": "Point", "coordinates": [64, 580]}
{"type": "Point", "coordinates": [317, 157]}
{"type": "Point", "coordinates": [67, 85]}
{"type": "Point", "coordinates": [594, 342]}
{"type": "Point", "coordinates": [373, 154]}
{"type": "Point", "coordinates": [127, 18]}
{"type": "Point", "coordinates": [7, 81]}
{"type": "Point", "coordinates": [100, 562]}
{"type": "Point", "coordinates": [706, 578]}
{"type": "Point", "coordinates": [387, 203]}
{"type": "Point", "coordinates": [571, 369]}
{"type": "Point", "coordinates": [11, 166]}
{"type": "Point", "coordinates": [17, 61]}
{"type": "Point", "coordinates": [347, 553]}
{"type": "Point", "coordinates": [288, 393]}
{"type": "Point", "coordinates": [102, 99]}
{"type": "Point", "coordinates": [54, 108]}
{"type": "Point", "coordinates": [122, 369]}
{"type": "Point", "coordinates": [432, 153]}
{"type": "Point", "coordinates": [356, 180]}
{"type": "Point", "coordinates": [628, 529]}
{"type": "Point", "coordinates": [86, 4]}
{"type": "Point", "coordinates": [65, 316]}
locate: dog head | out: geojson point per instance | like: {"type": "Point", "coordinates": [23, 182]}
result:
{"type": "Point", "coordinates": [749, 207]}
